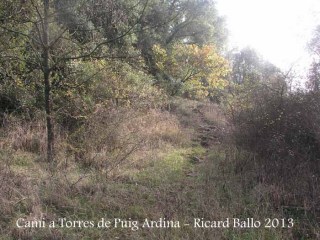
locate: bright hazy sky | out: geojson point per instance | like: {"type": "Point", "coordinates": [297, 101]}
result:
{"type": "Point", "coordinates": [278, 29]}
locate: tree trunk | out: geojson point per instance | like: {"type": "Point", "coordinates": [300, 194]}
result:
{"type": "Point", "coordinates": [46, 75]}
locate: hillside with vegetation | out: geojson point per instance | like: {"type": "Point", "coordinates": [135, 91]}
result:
{"type": "Point", "coordinates": [135, 110]}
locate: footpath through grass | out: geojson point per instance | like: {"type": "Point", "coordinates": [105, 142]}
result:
{"type": "Point", "coordinates": [202, 179]}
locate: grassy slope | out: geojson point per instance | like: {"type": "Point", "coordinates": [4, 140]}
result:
{"type": "Point", "coordinates": [199, 179]}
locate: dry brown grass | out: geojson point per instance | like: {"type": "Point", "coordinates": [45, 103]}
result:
{"type": "Point", "coordinates": [27, 135]}
{"type": "Point", "coordinates": [283, 133]}
{"type": "Point", "coordinates": [18, 195]}
{"type": "Point", "coordinates": [115, 137]}
{"type": "Point", "coordinates": [157, 179]}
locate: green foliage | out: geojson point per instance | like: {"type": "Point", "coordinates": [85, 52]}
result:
{"type": "Point", "coordinates": [170, 23]}
{"type": "Point", "coordinates": [102, 51]}
{"type": "Point", "coordinates": [190, 70]}
{"type": "Point", "coordinates": [193, 22]}
{"type": "Point", "coordinates": [103, 83]}
{"type": "Point", "coordinates": [250, 79]}
{"type": "Point", "coordinates": [105, 72]}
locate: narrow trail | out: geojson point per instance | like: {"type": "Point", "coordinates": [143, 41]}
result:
{"type": "Point", "coordinates": [208, 133]}
{"type": "Point", "coordinates": [194, 194]}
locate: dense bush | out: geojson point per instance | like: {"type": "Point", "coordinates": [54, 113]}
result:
{"type": "Point", "coordinates": [283, 130]}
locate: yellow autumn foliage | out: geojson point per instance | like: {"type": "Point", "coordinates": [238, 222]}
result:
{"type": "Point", "coordinates": [198, 70]}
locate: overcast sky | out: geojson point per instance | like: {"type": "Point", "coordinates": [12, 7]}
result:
{"type": "Point", "coordinates": [278, 29]}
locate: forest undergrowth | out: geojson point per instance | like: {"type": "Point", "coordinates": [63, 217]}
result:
{"type": "Point", "coordinates": [186, 167]}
